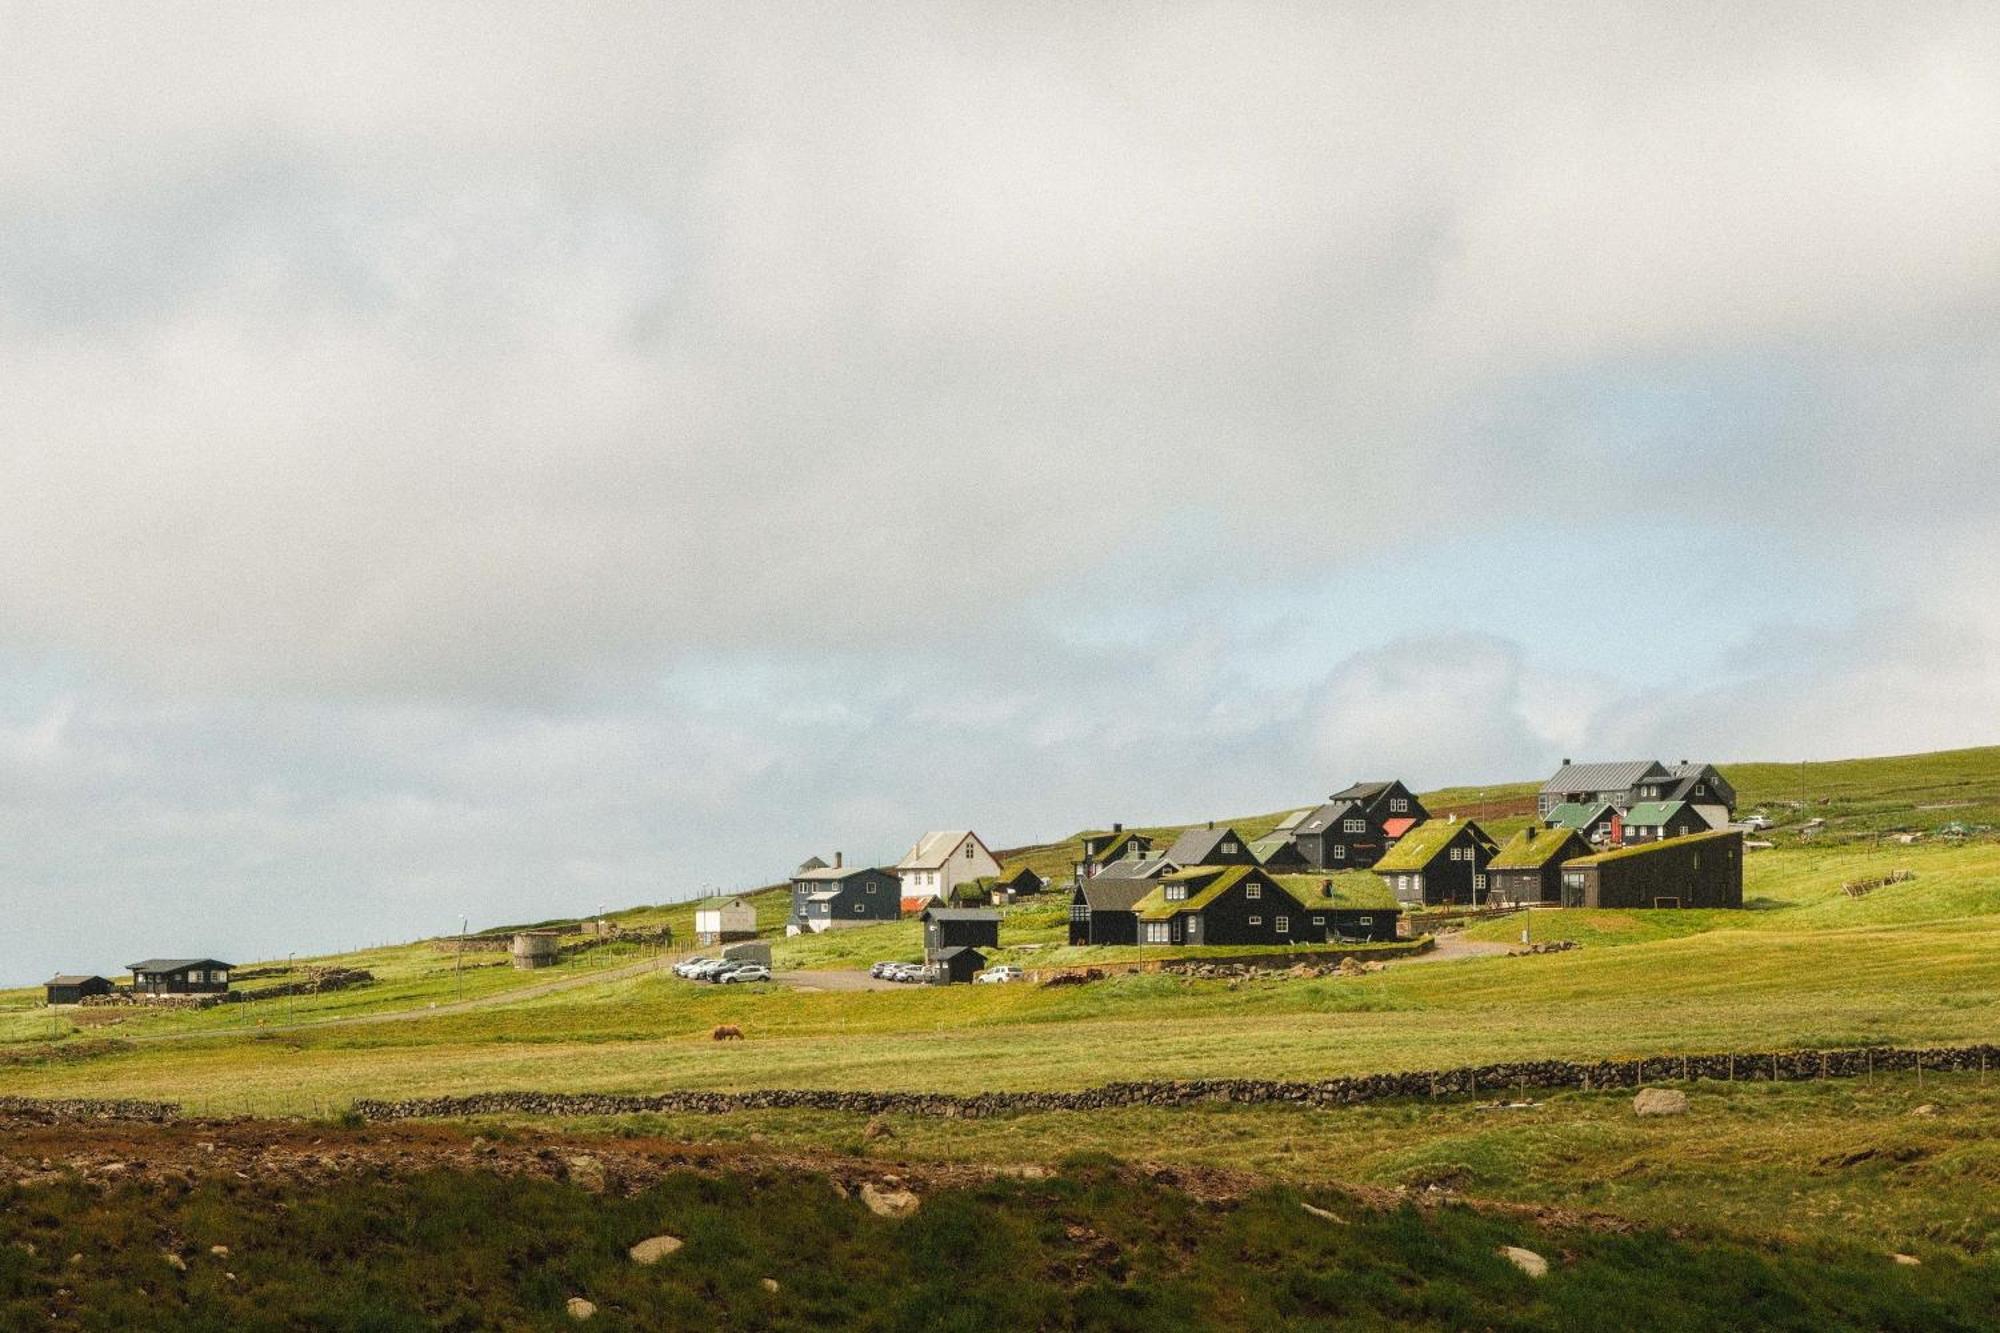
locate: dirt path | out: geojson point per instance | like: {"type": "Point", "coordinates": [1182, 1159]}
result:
{"type": "Point", "coordinates": [845, 979]}
{"type": "Point", "coordinates": [1454, 947]}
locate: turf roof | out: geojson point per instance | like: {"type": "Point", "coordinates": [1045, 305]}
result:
{"type": "Point", "coordinates": [1533, 848]}
{"type": "Point", "coordinates": [1646, 848]}
{"type": "Point", "coordinates": [1155, 907]}
{"type": "Point", "coordinates": [1420, 846]}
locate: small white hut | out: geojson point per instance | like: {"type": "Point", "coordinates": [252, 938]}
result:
{"type": "Point", "coordinates": [721, 920]}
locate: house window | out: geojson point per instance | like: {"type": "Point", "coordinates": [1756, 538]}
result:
{"type": "Point", "coordinates": [1353, 825]}
{"type": "Point", "coordinates": [1158, 932]}
{"type": "Point", "coordinates": [968, 850]}
{"type": "Point", "coordinates": [1284, 925]}
{"type": "Point", "coordinates": [860, 907]}
{"type": "Point", "coordinates": [1176, 893]}
{"type": "Point", "coordinates": [1256, 920]}
{"type": "Point", "coordinates": [1253, 890]}
{"type": "Point", "coordinates": [1398, 804]}
{"type": "Point", "coordinates": [1319, 921]}
{"type": "Point", "coordinates": [1479, 883]}
{"type": "Point", "coordinates": [1340, 851]}
{"type": "Point", "coordinates": [1366, 920]}
{"type": "Point", "coordinates": [871, 888]}
{"type": "Point", "coordinates": [1229, 849]}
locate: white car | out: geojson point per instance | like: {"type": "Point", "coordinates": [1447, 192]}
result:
{"type": "Point", "coordinates": [686, 966]}
{"type": "Point", "coordinates": [748, 972]}
{"type": "Point", "coordinates": [995, 975]}
{"type": "Point", "coordinates": [1755, 823]}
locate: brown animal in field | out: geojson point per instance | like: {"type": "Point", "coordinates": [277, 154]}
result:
{"type": "Point", "coordinates": [727, 1032]}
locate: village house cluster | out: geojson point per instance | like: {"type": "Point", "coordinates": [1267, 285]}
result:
{"type": "Point", "coordinates": [168, 980]}
{"type": "Point", "coordinates": [1637, 834]}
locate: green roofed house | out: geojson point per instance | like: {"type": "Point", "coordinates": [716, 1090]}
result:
{"type": "Point", "coordinates": [1650, 821]}
{"type": "Point", "coordinates": [1102, 849]}
{"type": "Point", "coordinates": [1279, 853]}
{"type": "Point", "coordinates": [1528, 869]}
{"type": "Point", "coordinates": [1223, 905]}
{"type": "Point", "coordinates": [1439, 862]}
{"type": "Point", "coordinates": [1601, 825]}
{"type": "Point", "coordinates": [1701, 870]}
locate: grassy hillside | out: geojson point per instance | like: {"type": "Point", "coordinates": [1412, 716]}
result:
{"type": "Point", "coordinates": [1089, 1248]}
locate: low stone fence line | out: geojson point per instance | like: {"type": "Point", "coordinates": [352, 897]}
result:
{"type": "Point", "coordinates": [1261, 962]}
{"type": "Point", "coordinates": [1741, 1067]}
{"type": "Point", "coordinates": [66, 1110]}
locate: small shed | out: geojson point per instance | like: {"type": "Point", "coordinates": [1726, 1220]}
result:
{"type": "Point", "coordinates": [723, 920]}
{"type": "Point", "coordinates": [74, 990]}
{"type": "Point", "coordinates": [959, 927]}
{"type": "Point", "coordinates": [536, 948]}
{"type": "Point", "coordinates": [1021, 882]}
{"type": "Point", "coordinates": [958, 964]}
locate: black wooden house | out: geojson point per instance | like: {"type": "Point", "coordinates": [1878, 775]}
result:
{"type": "Point", "coordinates": [1101, 911]}
{"type": "Point", "coordinates": [1703, 870]}
{"type": "Point", "coordinates": [1223, 905]}
{"type": "Point", "coordinates": [180, 976]}
{"type": "Point", "coordinates": [838, 895]}
{"type": "Point", "coordinates": [959, 927]}
{"type": "Point", "coordinates": [1528, 868]}
{"type": "Point", "coordinates": [1438, 863]}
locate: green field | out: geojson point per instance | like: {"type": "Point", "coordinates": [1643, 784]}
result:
{"type": "Point", "coordinates": [1804, 965]}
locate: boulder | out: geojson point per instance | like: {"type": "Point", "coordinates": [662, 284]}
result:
{"type": "Point", "coordinates": [769, 1284]}
{"type": "Point", "coordinates": [579, 1309]}
{"type": "Point", "coordinates": [174, 1261]}
{"type": "Point", "coordinates": [1907, 1260]}
{"type": "Point", "coordinates": [877, 1128]}
{"type": "Point", "coordinates": [1925, 1109]}
{"type": "Point", "coordinates": [888, 1201]}
{"type": "Point", "coordinates": [653, 1249]}
{"type": "Point", "coordinates": [586, 1172]}
{"type": "Point", "coordinates": [1526, 1260]}
{"type": "Point", "coordinates": [1660, 1101]}
{"type": "Point", "coordinates": [219, 1251]}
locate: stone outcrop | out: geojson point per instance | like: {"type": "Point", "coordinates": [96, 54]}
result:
{"type": "Point", "coordinates": [653, 1249]}
{"type": "Point", "coordinates": [1660, 1101]}
{"type": "Point", "coordinates": [1526, 1260]}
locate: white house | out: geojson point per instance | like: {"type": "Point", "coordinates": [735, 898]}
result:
{"type": "Point", "coordinates": [940, 862]}
{"type": "Point", "coordinates": [720, 920]}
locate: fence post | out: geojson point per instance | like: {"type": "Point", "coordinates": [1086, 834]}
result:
{"type": "Point", "coordinates": [1732, 1069]}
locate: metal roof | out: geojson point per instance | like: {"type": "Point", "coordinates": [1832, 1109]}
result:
{"type": "Point", "coordinates": [1136, 867]}
{"type": "Point", "coordinates": [67, 980]}
{"type": "Point", "coordinates": [176, 964]}
{"type": "Point", "coordinates": [1578, 814]}
{"type": "Point", "coordinates": [1618, 776]}
{"type": "Point", "coordinates": [934, 849]}
{"type": "Point", "coordinates": [1194, 846]}
{"type": "Point", "coordinates": [1326, 816]}
{"type": "Point", "coordinates": [960, 914]}
{"type": "Point", "coordinates": [1646, 814]}
{"type": "Point", "coordinates": [1118, 895]}
{"type": "Point", "coordinates": [834, 874]}
{"type": "Point", "coordinates": [1363, 791]}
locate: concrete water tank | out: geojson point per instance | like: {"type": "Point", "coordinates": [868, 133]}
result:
{"type": "Point", "coordinates": [535, 948]}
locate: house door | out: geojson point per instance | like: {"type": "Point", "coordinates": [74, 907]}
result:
{"type": "Point", "coordinates": [1666, 902]}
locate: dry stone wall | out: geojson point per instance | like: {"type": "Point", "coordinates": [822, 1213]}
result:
{"type": "Point", "coordinates": [1493, 1079]}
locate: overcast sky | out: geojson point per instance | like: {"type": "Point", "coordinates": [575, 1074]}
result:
{"type": "Point", "coordinates": [495, 460]}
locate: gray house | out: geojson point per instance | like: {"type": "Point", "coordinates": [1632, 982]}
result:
{"type": "Point", "coordinates": [1631, 782]}
{"type": "Point", "coordinates": [838, 896]}
{"type": "Point", "coordinates": [1211, 846]}
{"type": "Point", "coordinates": [181, 976]}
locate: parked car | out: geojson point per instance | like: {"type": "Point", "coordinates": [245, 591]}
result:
{"type": "Point", "coordinates": [747, 972]}
{"type": "Point", "coordinates": [707, 971]}
{"type": "Point", "coordinates": [1005, 972]}
{"type": "Point", "coordinates": [686, 966]}
{"type": "Point", "coordinates": [908, 972]}
{"type": "Point", "coordinates": [1755, 823]}
{"type": "Point", "coordinates": [883, 969]}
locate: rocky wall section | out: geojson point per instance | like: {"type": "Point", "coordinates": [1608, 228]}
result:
{"type": "Point", "coordinates": [1471, 1081]}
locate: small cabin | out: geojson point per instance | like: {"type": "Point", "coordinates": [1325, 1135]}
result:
{"type": "Point", "coordinates": [724, 921]}
{"type": "Point", "coordinates": [180, 976]}
{"type": "Point", "coordinates": [957, 965]}
{"type": "Point", "coordinates": [75, 990]}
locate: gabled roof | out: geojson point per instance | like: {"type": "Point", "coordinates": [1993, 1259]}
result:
{"type": "Point", "coordinates": [1362, 890]}
{"type": "Point", "coordinates": [1196, 845]}
{"type": "Point", "coordinates": [1422, 844]}
{"type": "Point", "coordinates": [1019, 873]}
{"type": "Point", "coordinates": [1533, 848]}
{"type": "Point", "coordinates": [1397, 827]}
{"type": "Point", "coordinates": [717, 904]}
{"type": "Point", "coordinates": [955, 950]}
{"type": "Point", "coordinates": [1155, 907]}
{"type": "Point", "coordinates": [835, 874]}
{"type": "Point", "coordinates": [934, 849]}
{"type": "Point", "coordinates": [1291, 821]}
{"type": "Point", "coordinates": [1137, 867]}
{"type": "Point", "coordinates": [177, 964]}
{"type": "Point", "coordinates": [1603, 777]}
{"type": "Point", "coordinates": [823, 896]}
{"type": "Point", "coordinates": [67, 980]}
{"type": "Point", "coordinates": [1364, 792]}
{"type": "Point", "coordinates": [1327, 816]}
{"type": "Point", "coordinates": [810, 863]}
{"type": "Point", "coordinates": [908, 905]}
{"type": "Point", "coordinates": [1648, 813]}
{"type": "Point", "coordinates": [1116, 845]}
{"type": "Point", "coordinates": [960, 914]}
{"type": "Point", "coordinates": [1650, 848]}
{"type": "Point", "coordinates": [1579, 815]}
{"type": "Point", "coordinates": [1266, 847]}
{"type": "Point", "coordinates": [1114, 895]}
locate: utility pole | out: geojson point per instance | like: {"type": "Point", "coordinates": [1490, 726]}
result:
{"type": "Point", "coordinates": [458, 972]}
{"type": "Point", "coordinates": [292, 997]}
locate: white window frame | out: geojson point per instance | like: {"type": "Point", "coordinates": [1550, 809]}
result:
{"type": "Point", "coordinates": [1253, 890]}
{"type": "Point", "coordinates": [1282, 925]}
{"type": "Point", "coordinates": [1353, 826]}
{"type": "Point", "coordinates": [1256, 920]}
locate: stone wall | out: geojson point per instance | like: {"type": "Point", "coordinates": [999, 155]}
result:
{"type": "Point", "coordinates": [70, 1110]}
{"type": "Point", "coordinates": [1261, 962]}
{"type": "Point", "coordinates": [1494, 1079]}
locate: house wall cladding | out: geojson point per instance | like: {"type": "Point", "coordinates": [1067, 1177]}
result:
{"type": "Point", "coordinates": [1739, 1067]}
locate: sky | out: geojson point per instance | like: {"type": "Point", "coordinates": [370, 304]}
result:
{"type": "Point", "coordinates": [495, 461]}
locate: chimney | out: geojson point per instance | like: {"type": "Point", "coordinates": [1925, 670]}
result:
{"type": "Point", "coordinates": [837, 860]}
{"type": "Point", "coordinates": [1211, 823]}
{"type": "Point", "coordinates": [1117, 828]}
{"type": "Point", "coordinates": [1565, 763]}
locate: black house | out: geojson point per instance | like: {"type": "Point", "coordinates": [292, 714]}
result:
{"type": "Point", "coordinates": [1102, 911]}
{"type": "Point", "coordinates": [1528, 869]}
{"type": "Point", "coordinates": [180, 976]}
{"type": "Point", "coordinates": [957, 964]}
{"type": "Point", "coordinates": [1223, 905]}
{"type": "Point", "coordinates": [1651, 821]}
{"type": "Point", "coordinates": [1340, 835]}
{"type": "Point", "coordinates": [1703, 870]}
{"type": "Point", "coordinates": [1334, 920]}
{"type": "Point", "coordinates": [1101, 849]}
{"type": "Point", "coordinates": [1279, 853]}
{"type": "Point", "coordinates": [1211, 846]}
{"type": "Point", "coordinates": [959, 927]}
{"type": "Point", "coordinates": [837, 895]}
{"type": "Point", "coordinates": [73, 990]}
{"type": "Point", "coordinates": [1021, 882]}
{"type": "Point", "coordinates": [1386, 801]}
{"type": "Point", "coordinates": [1439, 862]}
